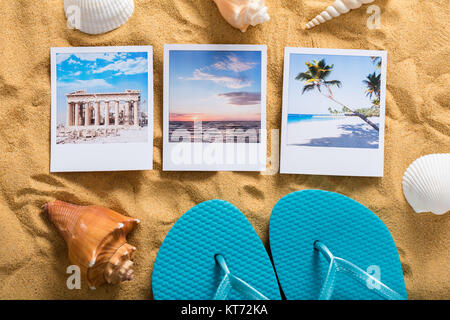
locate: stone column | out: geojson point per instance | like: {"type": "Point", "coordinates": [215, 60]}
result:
{"type": "Point", "coordinates": [87, 114]}
{"type": "Point", "coordinates": [72, 114]}
{"type": "Point", "coordinates": [97, 113]}
{"type": "Point", "coordinates": [69, 114]}
{"type": "Point", "coordinates": [116, 115]}
{"type": "Point", "coordinates": [127, 112]}
{"type": "Point", "coordinates": [106, 113]}
{"type": "Point", "coordinates": [136, 113]}
{"type": "Point", "coordinates": [77, 114]}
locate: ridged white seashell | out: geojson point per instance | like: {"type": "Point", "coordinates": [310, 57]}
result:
{"type": "Point", "coordinates": [426, 184]}
{"type": "Point", "coordinates": [97, 16]}
{"type": "Point", "coordinates": [335, 10]}
{"type": "Point", "coordinates": [243, 13]}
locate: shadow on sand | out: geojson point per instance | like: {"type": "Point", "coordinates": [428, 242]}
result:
{"type": "Point", "coordinates": [356, 136]}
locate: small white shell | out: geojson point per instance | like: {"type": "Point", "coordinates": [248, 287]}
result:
{"type": "Point", "coordinates": [243, 13]}
{"type": "Point", "coordinates": [97, 16]}
{"type": "Point", "coordinates": [426, 184]}
{"type": "Point", "coordinates": [335, 10]}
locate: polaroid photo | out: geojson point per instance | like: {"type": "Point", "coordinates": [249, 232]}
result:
{"type": "Point", "coordinates": [102, 109]}
{"type": "Point", "coordinates": [215, 107]}
{"type": "Point", "coordinates": [333, 112]}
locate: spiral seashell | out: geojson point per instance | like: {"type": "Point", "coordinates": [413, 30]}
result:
{"type": "Point", "coordinates": [426, 184]}
{"type": "Point", "coordinates": [96, 239]}
{"type": "Point", "coordinates": [335, 10]}
{"type": "Point", "coordinates": [97, 16]}
{"type": "Point", "coordinates": [243, 13]}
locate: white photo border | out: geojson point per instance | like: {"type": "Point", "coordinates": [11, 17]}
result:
{"type": "Point", "coordinates": [329, 160]}
{"type": "Point", "coordinates": [259, 152]}
{"type": "Point", "coordinates": [107, 156]}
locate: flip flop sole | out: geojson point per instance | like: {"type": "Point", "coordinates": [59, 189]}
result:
{"type": "Point", "coordinates": [185, 267]}
{"type": "Point", "coordinates": [350, 230]}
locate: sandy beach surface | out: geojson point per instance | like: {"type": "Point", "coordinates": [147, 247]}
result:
{"type": "Point", "coordinates": [33, 256]}
{"type": "Point", "coordinates": [348, 132]}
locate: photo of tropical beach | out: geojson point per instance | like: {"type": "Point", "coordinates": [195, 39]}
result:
{"type": "Point", "coordinates": [215, 96]}
{"type": "Point", "coordinates": [334, 101]}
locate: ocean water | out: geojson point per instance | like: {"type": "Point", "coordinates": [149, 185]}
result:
{"type": "Point", "coordinates": [312, 117]}
{"type": "Point", "coordinates": [215, 131]}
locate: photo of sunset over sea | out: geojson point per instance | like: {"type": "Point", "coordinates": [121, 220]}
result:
{"type": "Point", "coordinates": [215, 96]}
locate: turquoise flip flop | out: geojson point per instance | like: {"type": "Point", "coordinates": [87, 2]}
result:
{"type": "Point", "coordinates": [213, 253]}
{"type": "Point", "coordinates": [327, 246]}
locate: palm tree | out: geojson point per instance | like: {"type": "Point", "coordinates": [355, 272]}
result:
{"type": "Point", "coordinates": [376, 61]}
{"type": "Point", "coordinates": [373, 83]}
{"type": "Point", "coordinates": [316, 78]}
{"type": "Point", "coordinates": [376, 102]}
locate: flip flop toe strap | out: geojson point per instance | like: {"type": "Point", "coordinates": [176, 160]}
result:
{"type": "Point", "coordinates": [341, 265]}
{"type": "Point", "coordinates": [229, 281]}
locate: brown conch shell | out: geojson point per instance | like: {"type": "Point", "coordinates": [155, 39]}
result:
{"type": "Point", "coordinates": [96, 239]}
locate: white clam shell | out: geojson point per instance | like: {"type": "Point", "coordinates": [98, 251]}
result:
{"type": "Point", "coordinates": [426, 184]}
{"type": "Point", "coordinates": [335, 10]}
{"type": "Point", "coordinates": [97, 16]}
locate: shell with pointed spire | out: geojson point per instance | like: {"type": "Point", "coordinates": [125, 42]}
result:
{"type": "Point", "coordinates": [243, 13]}
{"type": "Point", "coordinates": [97, 16]}
{"type": "Point", "coordinates": [335, 10]}
{"type": "Point", "coordinates": [96, 239]}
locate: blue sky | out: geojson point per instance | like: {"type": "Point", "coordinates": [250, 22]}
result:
{"type": "Point", "coordinates": [215, 85]}
{"type": "Point", "coordinates": [350, 70]}
{"type": "Point", "coordinates": [100, 72]}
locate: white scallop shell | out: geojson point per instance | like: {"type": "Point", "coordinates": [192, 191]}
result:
{"type": "Point", "coordinates": [335, 10]}
{"type": "Point", "coordinates": [243, 13]}
{"type": "Point", "coordinates": [97, 16]}
{"type": "Point", "coordinates": [426, 184]}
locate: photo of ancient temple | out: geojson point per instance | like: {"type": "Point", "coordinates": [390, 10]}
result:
{"type": "Point", "coordinates": [92, 116]}
{"type": "Point", "coordinates": [102, 98]}
{"type": "Point", "coordinates": [103, 110]}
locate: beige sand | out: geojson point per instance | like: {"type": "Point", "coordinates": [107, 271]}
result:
{"type": "Point", "coordinates": [33, 256]}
